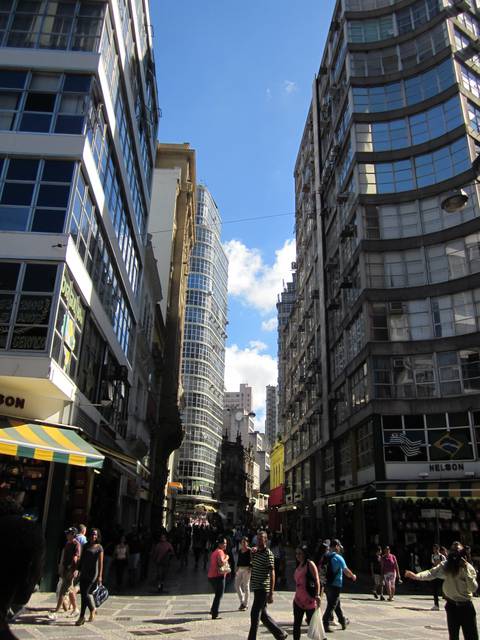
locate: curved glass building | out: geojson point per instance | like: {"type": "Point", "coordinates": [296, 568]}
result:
{"type": "Point", "coordinates": [392, 131]}
{"type": "Point", "coordinates": [204, 359]}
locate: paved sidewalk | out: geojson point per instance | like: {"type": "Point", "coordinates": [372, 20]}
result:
{"type": "Point", "coordinates": [186, 617]}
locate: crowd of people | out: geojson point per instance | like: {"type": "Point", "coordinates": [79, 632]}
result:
{"type": "Point", "coordinates": [252, 562]}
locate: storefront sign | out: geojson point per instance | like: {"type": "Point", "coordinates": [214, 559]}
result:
{"type": "Point", "coordinates": [418, 471]}
{"type": "Point", "coordinates": [12, 401]}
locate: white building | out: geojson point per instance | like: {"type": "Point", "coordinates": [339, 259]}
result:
{"type": "Point", "coordinates": [77, 139]}
{"type": "Point", "coordinates": [203, 366]}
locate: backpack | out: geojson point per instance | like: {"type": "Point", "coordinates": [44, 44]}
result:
{"type": "Point", "coordinates": [330, 573]}
{"type": "Point", "coordinates": [310, 584]}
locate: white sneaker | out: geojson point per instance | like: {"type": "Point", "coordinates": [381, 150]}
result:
{"type": "Point", "coordinates": [435, 608]}
{"type": "Point", "coordinates": [334, 623]}
{"type": "Point", "coordinates": [52, 616]}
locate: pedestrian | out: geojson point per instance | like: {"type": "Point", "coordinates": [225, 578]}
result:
{"type": "Point", "coordinates": [437, 558]}
{"type": "Point", "coordinates": [390, 572]}
{"type": "Point", "coordinates": [91, 573]}
{"type": "Point", "coordinates": [81, 537]}
{"type": "Point", "coordinates": [134, 550]}
{"type": "Point", "coordinates": [218, 569]}
{"type": "Point", "coordinates": [307, 590]}
{"type": "Point", "coordinates": [120, 560]}
{"type": "Point", "coordinates": [459, 585]}
{"type": "Point", "coordinates": [262, 583]}
{"type": "Point", "coordinates": [244, 570]}
{"type": "Point", "coordinates": [276, 548]}
{"type": "Point", "coordinates": [336, 569]}
{"type": "Point", "coordinates": [68, 572]}
{"type": "Point", "coordinates": [376, 571]}
{"type": "Point", "coordinates": [162, 553]}
{"type": "Point", "coordinates": [21, 560]}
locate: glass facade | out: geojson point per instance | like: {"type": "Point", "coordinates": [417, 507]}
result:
{"type": "Point", "coordinates": [204, 356]}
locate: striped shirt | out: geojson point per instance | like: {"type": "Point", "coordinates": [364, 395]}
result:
{"type": "Point", "coordinates": [262, 564]}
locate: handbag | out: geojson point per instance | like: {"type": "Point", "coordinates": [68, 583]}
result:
{"type": "Point", "coordinates": [315, 628]}
{"type": "Point", "coordinates": [224, 568]}
{"type": "Point", "coordinates": [310, 584]}
{"type": "Point", "coordinates": [100, 594]}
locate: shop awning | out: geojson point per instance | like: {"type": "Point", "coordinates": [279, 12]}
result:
{"type": "Point", "coordinates": [430, 490]}
{"type": "Point", "coordinates": [287, 507]}
{"type": "Point", "coordinates": [49, 443]}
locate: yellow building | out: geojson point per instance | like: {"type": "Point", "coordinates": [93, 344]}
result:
{"type": "Point", "coordinates": [277, 485]}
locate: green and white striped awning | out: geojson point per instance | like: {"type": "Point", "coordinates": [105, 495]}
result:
{"type": "Point", "coordinates": [44, 442]}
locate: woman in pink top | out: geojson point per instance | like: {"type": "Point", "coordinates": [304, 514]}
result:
{"type": "Point", "coordinates": [304, 602]}
{"type": "Point", "coordinates": [390, 571]}
{"type": "Point", "coordinates": [216, 574]}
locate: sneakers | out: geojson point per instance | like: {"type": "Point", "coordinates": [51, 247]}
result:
{"type": "Point", "coordinates": [382, 598]}
{"type": "Point", "coordinates": [345, 623]}
{"type": "Point", "coordinates": [242, 607]}
{"type": "Point", "coordinates": [375, 595]}
{"type": "Point", "coordinates": [52, 616]}
{"type": "Point", "coordinates": [328, 629]}
{"type": "Point", "coordinates": [79, 622]}
{"type": "Point", "coordinates": [435, 608]}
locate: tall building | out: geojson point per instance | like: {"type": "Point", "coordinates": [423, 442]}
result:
{"type": "Point", "coordinates": [271, 427]}
{"type": "Point", "coordinates": [241, 399]}
{"type": "Point", "coordinates": [172, 227]}
{"type": "Point", "coordinates": [285, 305]}
{"type": "Point", "coordinates": [385, 330]}
{"type": "Point", "coordinates": [203, 366]}
{"type": "Point", "coordinates": [77, 137]}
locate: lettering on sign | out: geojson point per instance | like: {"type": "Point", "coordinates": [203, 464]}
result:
{"type": "Point", "coordinates": [447, 466]}
{"type": "Point", "coordinates": [12, 401]}
{"type": "Point", "coordinates": [73, 300]}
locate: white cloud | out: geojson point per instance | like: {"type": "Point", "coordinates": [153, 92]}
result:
{"type": "Point", "coordinates": [289, 86]}
{"type": "Point", "coordinates": [251, 366]}
{"type": "Point", "coordinates": [269, 93]}
{"type": "Point", "coordinates": [270, 325]}
{"type": "Point", "coordinates": [254, 282]}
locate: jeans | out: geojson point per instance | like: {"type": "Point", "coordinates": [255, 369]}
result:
{"type": "Point", "coordinates": [437, 590]}
{"type": "Point", "coordinates": [463, 617]}
{"type": "Point", "coordinates": [298, 617]}
{"type": "Point", "coordinates": [86, 588]}
{"type": "Point", "coordinates": [242, 584]}
{"type": "Point", "coordinates": [218, 586]}
{"type": "Point", "coordinates": [259, 612]}
{"type": "Point", "coordinates": [333, 604]}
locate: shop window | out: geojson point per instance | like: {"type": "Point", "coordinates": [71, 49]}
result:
{"type": "Point", "coordinates": [26, 293]}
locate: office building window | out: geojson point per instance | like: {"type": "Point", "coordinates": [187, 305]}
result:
{"type": "Point", "coordinates": [34, 194]}
{"type": "Point", "coordinates": [420, 171]}
{"type": "Point", "coordinates": [365, 445]}
{"type": "Point", "coordinates": [26, 295]}
{"type": "Point", "coordinates": [53, 24]}
{"type": "Point", "coordinates": [88, 235]}
{"type": "Point", "coordinates": [44, 102]}
{"type": "Point", "coordinates": [470, 80]}
{"type": "Point", "coordinates": [456, 314]}
{"type": "Point", "coordinates": [370, 30]}
{"type": "Point", "coordinates": [463, 45]}
{"type": "Point", "coordinates": [474, 116]}
{"type": "Point", "coordinates": [415, 15]}
{"type": "Point", "coordinates": [359, 395]}
{"type": "Point", "coordinates": [374, 63]}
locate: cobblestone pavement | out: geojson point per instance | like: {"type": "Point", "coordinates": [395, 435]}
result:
{"type": "Point", "coordinates": [182, 613]}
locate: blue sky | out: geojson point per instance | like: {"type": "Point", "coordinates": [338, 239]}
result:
{"type": "Point", "coordinates": [235, 81]}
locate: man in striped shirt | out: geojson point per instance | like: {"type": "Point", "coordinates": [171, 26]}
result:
{"type": "Point", "coordinates": [262, 583]}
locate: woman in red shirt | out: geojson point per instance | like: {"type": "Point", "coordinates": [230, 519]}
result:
{"type": "Point", "coordinates": [304, 602]}
{"type": "Point", "coordinates": [217, 571]}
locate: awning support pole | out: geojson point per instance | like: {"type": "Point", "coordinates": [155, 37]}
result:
{"type": "Point", "coordinates": [48, 493]}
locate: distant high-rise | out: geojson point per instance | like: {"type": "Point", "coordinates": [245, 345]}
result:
{"type": "Point", "coordinates": [203, 364]}
{"type": "Point", "coordinates": [241, 399]}
{"type": "Point", "coordinates": [271, 427]}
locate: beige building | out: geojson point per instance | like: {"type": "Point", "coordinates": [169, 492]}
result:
{"type": "Point", "coordinates": [172, 227]}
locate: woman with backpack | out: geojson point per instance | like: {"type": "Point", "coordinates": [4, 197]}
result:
{"type": "Point", "coordinates": [307, 590]}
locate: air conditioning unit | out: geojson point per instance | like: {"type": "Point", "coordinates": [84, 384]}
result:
{"type": "Point", "coordinates": [348, 231]}
{"type": "Point", "coordinates": [293, 266]}
{"type": "Point", "coordinates": [333, 305]}
{"type": "Point", "coordinates": [398, 363]}
{"type": "Point", "coordinates": [396, 308]}
{"type": "Point", "coordinates": [346, 283]}
{"type": "Point", "coordinates": [343, 197]}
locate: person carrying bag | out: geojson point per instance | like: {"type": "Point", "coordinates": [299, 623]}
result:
{"type": "Point", "coordinates": [307, 596]}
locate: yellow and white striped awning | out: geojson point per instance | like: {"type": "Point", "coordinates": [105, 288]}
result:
{"type": "Point", "coordinates": [49, 443]}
